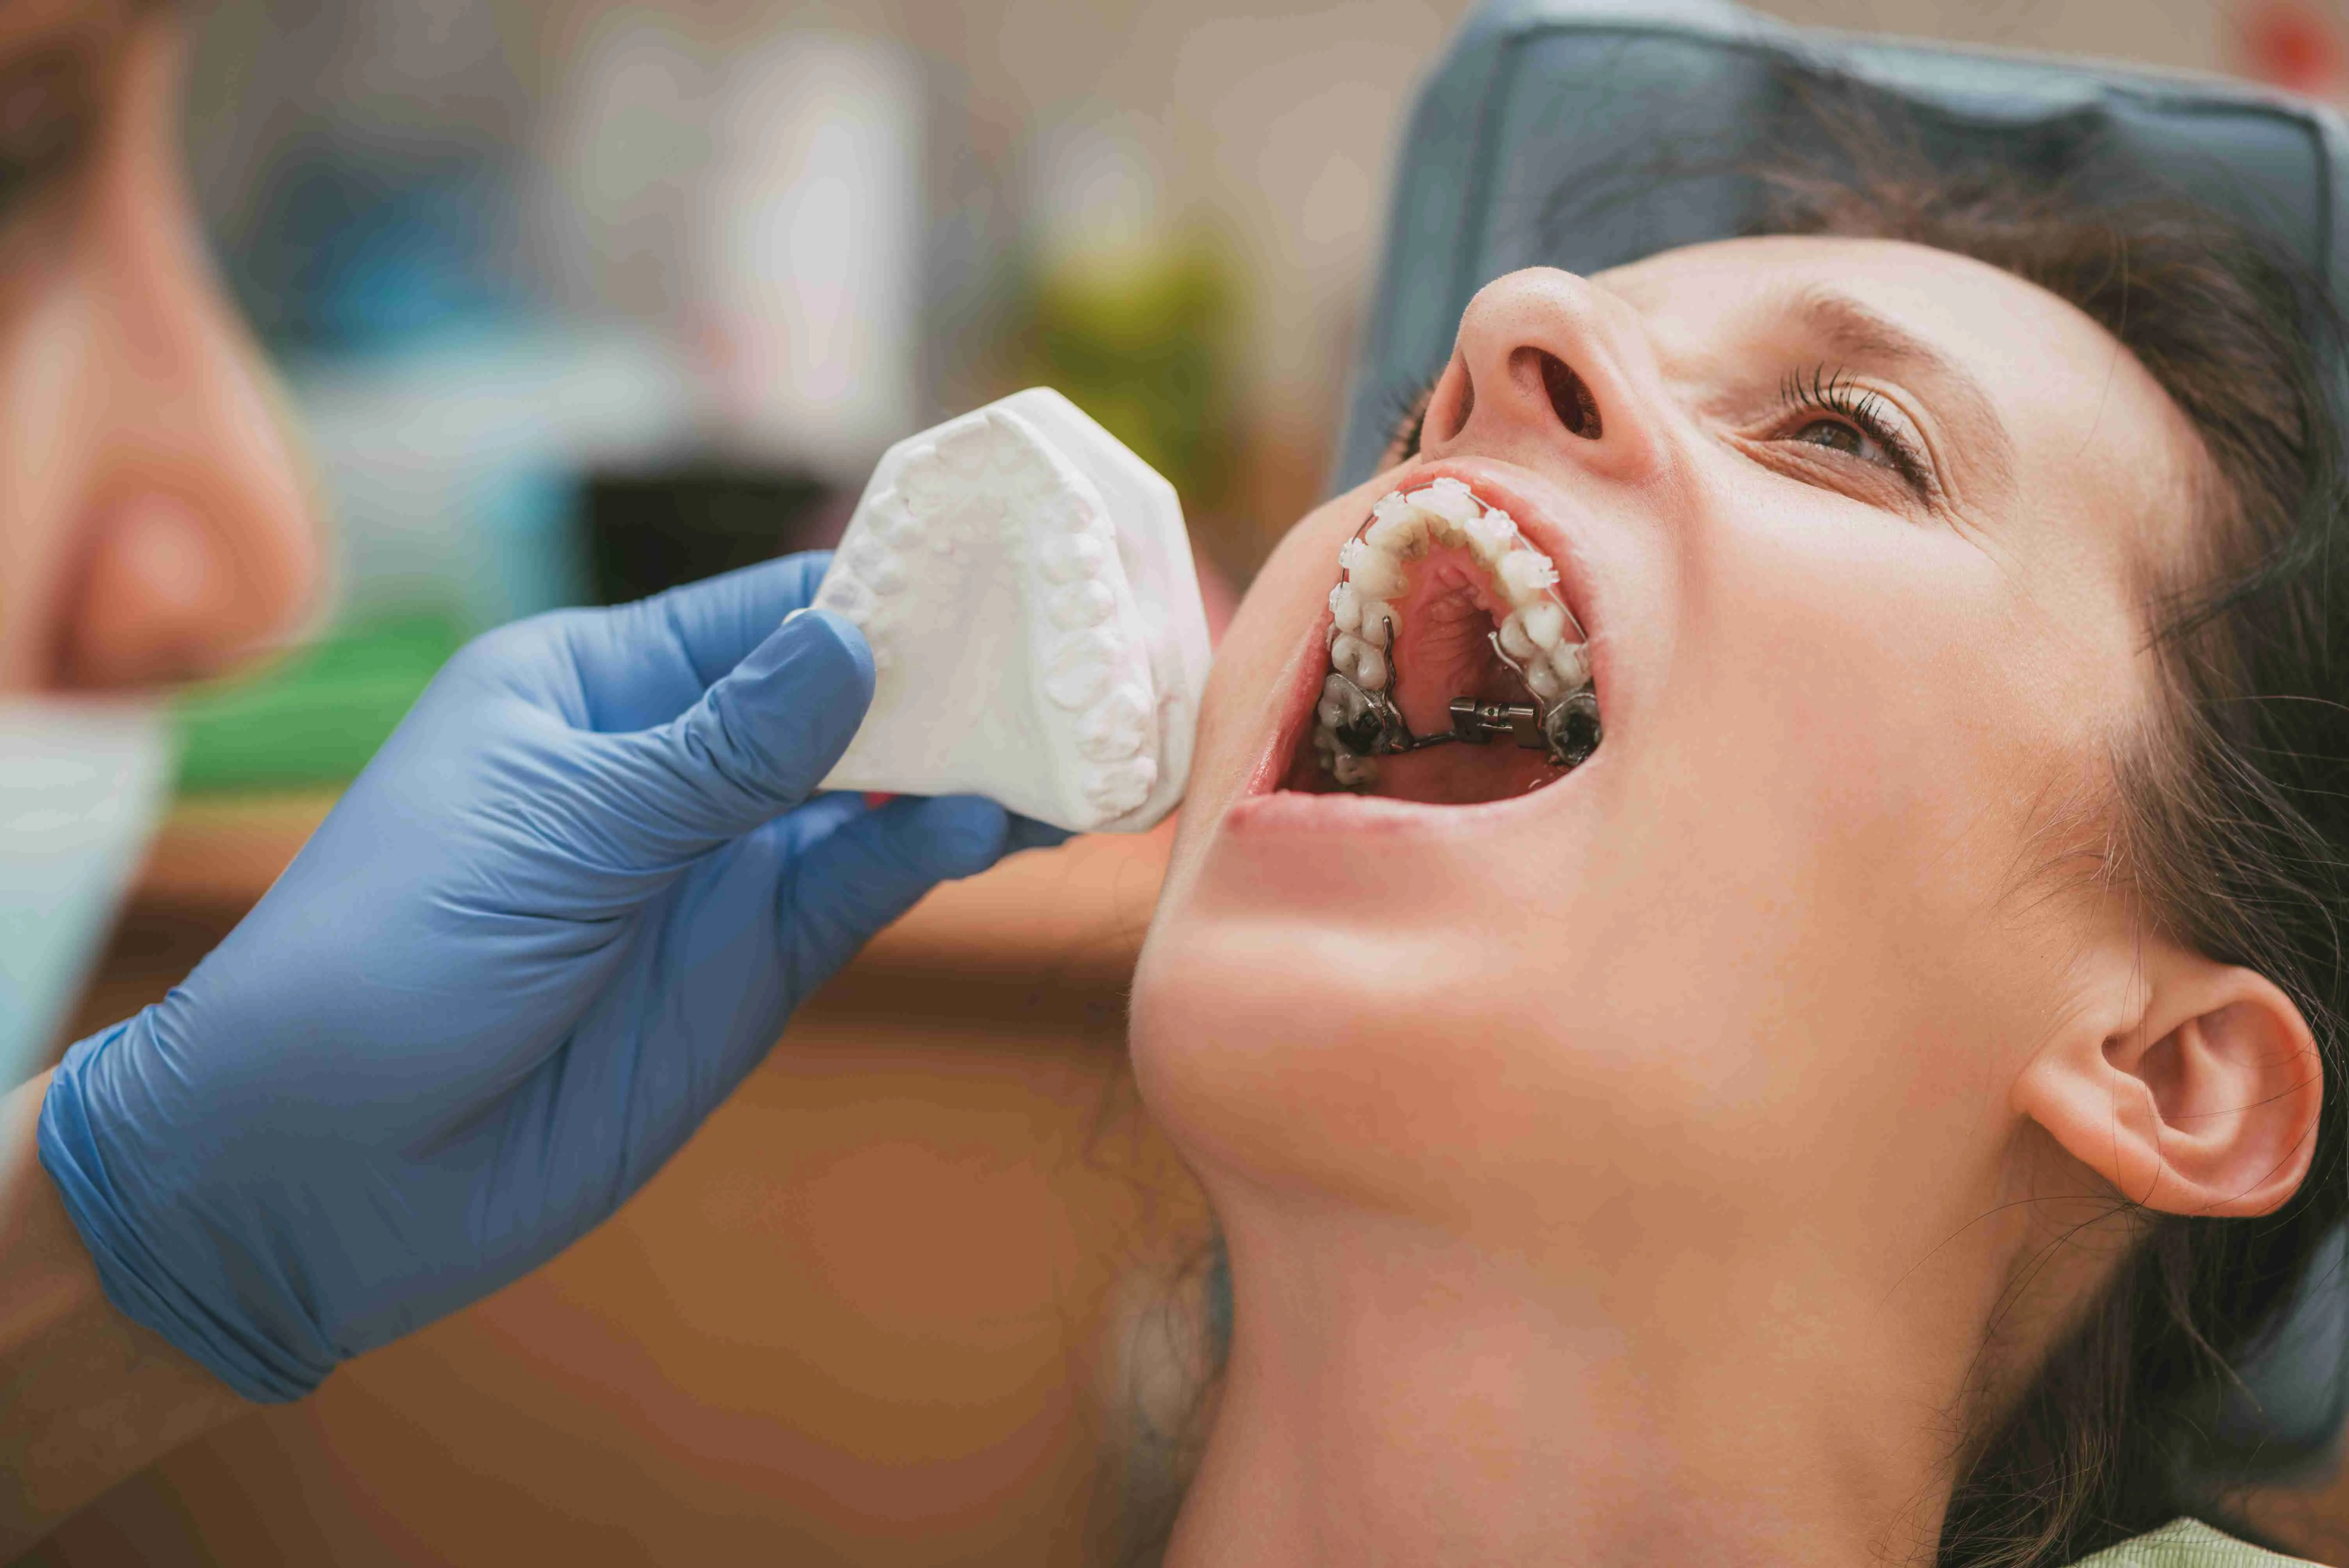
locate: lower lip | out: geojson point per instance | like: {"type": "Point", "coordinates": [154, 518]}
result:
{"type": "Point", "coordinates": [1293, 811]}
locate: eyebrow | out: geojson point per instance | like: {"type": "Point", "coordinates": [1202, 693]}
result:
{"type": "Point", "coordinates": [1858, 333]}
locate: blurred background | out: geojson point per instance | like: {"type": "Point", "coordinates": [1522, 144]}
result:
{"type": "Point", "coordinates": [581, 298]}
{"type": "Point", "coordinates": [578, 299]}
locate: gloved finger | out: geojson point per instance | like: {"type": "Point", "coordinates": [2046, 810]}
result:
{"type": "Point", "coordinates": [755, 745]}
{"type": "Point", "coordinates": [872, 869]}
{"type": "Point", "coordinates": [644, 663]}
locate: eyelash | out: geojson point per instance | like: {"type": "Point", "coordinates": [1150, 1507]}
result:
{"type": "Point", "coordinates": [1833, 393]}
{"type": "Point", "coordinates": [1821, 392]}
{"type": "Point", "coordinates": [1407, 416]}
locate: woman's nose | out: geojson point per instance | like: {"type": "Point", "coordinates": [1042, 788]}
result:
{"type": "Point", "coordinates": [1546, 364]}
{"type": "Point", "coordinates": [198, 544]}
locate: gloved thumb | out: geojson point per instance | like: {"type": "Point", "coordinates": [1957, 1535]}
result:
{"type": "Point", "coordinates": [755, 745]}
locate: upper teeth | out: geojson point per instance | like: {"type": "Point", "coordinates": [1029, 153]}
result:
{"type": "Point", "coordinates": [1538, 633]}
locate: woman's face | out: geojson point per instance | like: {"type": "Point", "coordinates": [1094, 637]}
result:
{"type": "Point", "coordinates": [152, 524]}
{"type": "Point", "coordinates": [1858, 531]}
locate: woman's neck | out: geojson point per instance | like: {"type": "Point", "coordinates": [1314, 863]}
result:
{"type": "Point", "coordinates": [1398, 1397]}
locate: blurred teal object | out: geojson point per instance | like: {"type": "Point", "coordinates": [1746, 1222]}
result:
{"type": "Point", "coordinates": [357, 248]}
{"type": "Point", "coordinates": [81, 787]}
{"type": "Point", "coordinates": [315, 719]}
{"type": "Point", "coordinates": [529, 531]}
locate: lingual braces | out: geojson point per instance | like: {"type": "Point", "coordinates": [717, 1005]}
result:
{"type": "Point", "coordinates": [1567, 730]}
{"type": "Point", "coordinates": [1536, 638]}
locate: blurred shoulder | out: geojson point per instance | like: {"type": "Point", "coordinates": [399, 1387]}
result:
{"type": "Point", "coordinates": [2187, 1543]}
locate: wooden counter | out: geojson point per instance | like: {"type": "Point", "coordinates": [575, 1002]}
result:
{"type": "Point", "coordinates": [857, 1321]}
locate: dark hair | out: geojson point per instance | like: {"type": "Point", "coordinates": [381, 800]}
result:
{"type": "Point", "coordinates": [2230, 821]}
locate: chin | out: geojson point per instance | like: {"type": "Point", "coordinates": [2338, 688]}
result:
{"type": "Point", "coordinates": [1392, 1047]}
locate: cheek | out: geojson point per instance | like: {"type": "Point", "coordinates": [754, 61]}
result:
{"type": "Point", "coordinates": [1865, 729]}
{"type": "Point", "coordinates": [1843, 750]}
{"type": "Point", "coordinates": [1883, 709]}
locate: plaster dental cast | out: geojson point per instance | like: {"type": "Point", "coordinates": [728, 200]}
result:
{"type": "Point", "coordinates": [1025, 586]}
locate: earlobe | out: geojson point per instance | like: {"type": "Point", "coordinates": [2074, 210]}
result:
{"type": "Point", "coordinates": [2191, 1086]}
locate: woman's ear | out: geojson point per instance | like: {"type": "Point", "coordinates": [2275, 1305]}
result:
{"type": "Point", "coordinates": [2191, 1086]}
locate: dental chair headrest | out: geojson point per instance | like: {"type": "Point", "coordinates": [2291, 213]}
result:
{"type": "Point", "coordinates": [1586, 133]}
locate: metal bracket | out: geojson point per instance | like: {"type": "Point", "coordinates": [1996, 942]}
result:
{"type": "Point", "coordinates": [1567, 729]}
{"type": "Point", "coordinates": [1480, 722]}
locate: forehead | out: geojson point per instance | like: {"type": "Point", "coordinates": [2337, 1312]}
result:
{"type": "Point", "coordinates": [2090, 430]}
{"type": "Point", "coordinates": [1989, 320]}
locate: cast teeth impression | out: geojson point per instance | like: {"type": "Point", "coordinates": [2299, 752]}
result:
{"type": "Point", "coordinates": [1358, 719]}
{"type": "Point", "coordinates": [953, 494]}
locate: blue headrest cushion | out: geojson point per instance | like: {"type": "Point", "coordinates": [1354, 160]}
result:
{"type": "Point", "coordinates": [1584, 134]}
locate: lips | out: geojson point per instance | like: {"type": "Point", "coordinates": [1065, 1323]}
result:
{"type": "Point", "coordinates": [1458, 662]}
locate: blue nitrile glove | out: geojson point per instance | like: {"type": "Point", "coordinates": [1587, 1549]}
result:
{"type": "Point", "coordinates": [560, 916]}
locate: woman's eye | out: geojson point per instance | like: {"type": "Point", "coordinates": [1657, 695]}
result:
{"type": "Point", "coordinates": [1836, 436]}
{"type": "Point", "coordinates": [1829, 411]}
{"type": "Point", "coordinates": [1409, 424]}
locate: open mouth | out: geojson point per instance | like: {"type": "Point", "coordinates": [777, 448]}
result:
{"type": "Point", "coordinates": [1456, 672]}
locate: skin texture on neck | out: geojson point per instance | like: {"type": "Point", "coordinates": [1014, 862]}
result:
{"type": "Point", "coordinates": [1400, 1398]}
{"type": "Point", "coordinates": [1401, 1395]}
{"type": "Point", "coordinates": [87, 1396]}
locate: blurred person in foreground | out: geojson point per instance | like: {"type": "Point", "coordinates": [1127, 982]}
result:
{"type": "Point", "coordinates": [459, 1032]}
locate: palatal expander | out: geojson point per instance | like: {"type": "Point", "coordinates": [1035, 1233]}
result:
{"type": "Point", "coordinates": [1358, 719]}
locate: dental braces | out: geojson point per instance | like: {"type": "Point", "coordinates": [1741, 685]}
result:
{"type": "Point", "coordinates": [1567, 730]}
{"type": "Point", "coordinates": [1359, 719]}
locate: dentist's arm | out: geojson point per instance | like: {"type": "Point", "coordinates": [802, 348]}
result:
{"type": "Point", "coordinates": [89, 1396]}
{"type": "Point", "coordinates": [560, 916]}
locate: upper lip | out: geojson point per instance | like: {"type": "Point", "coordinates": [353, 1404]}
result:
{"type": "Point", "coordinates": [1534, 521]}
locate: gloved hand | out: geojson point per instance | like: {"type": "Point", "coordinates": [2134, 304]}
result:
{"type": "Point", "coordinates": [560, 916]}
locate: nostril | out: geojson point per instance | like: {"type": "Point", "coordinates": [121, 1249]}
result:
{"type": "Point", "coordinates": [1569, 396]}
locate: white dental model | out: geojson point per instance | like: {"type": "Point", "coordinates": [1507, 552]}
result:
{"type": "Point", "coordinates": [1026, 585]}
{"type": "Point", "coordinates": [1538, 637]}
